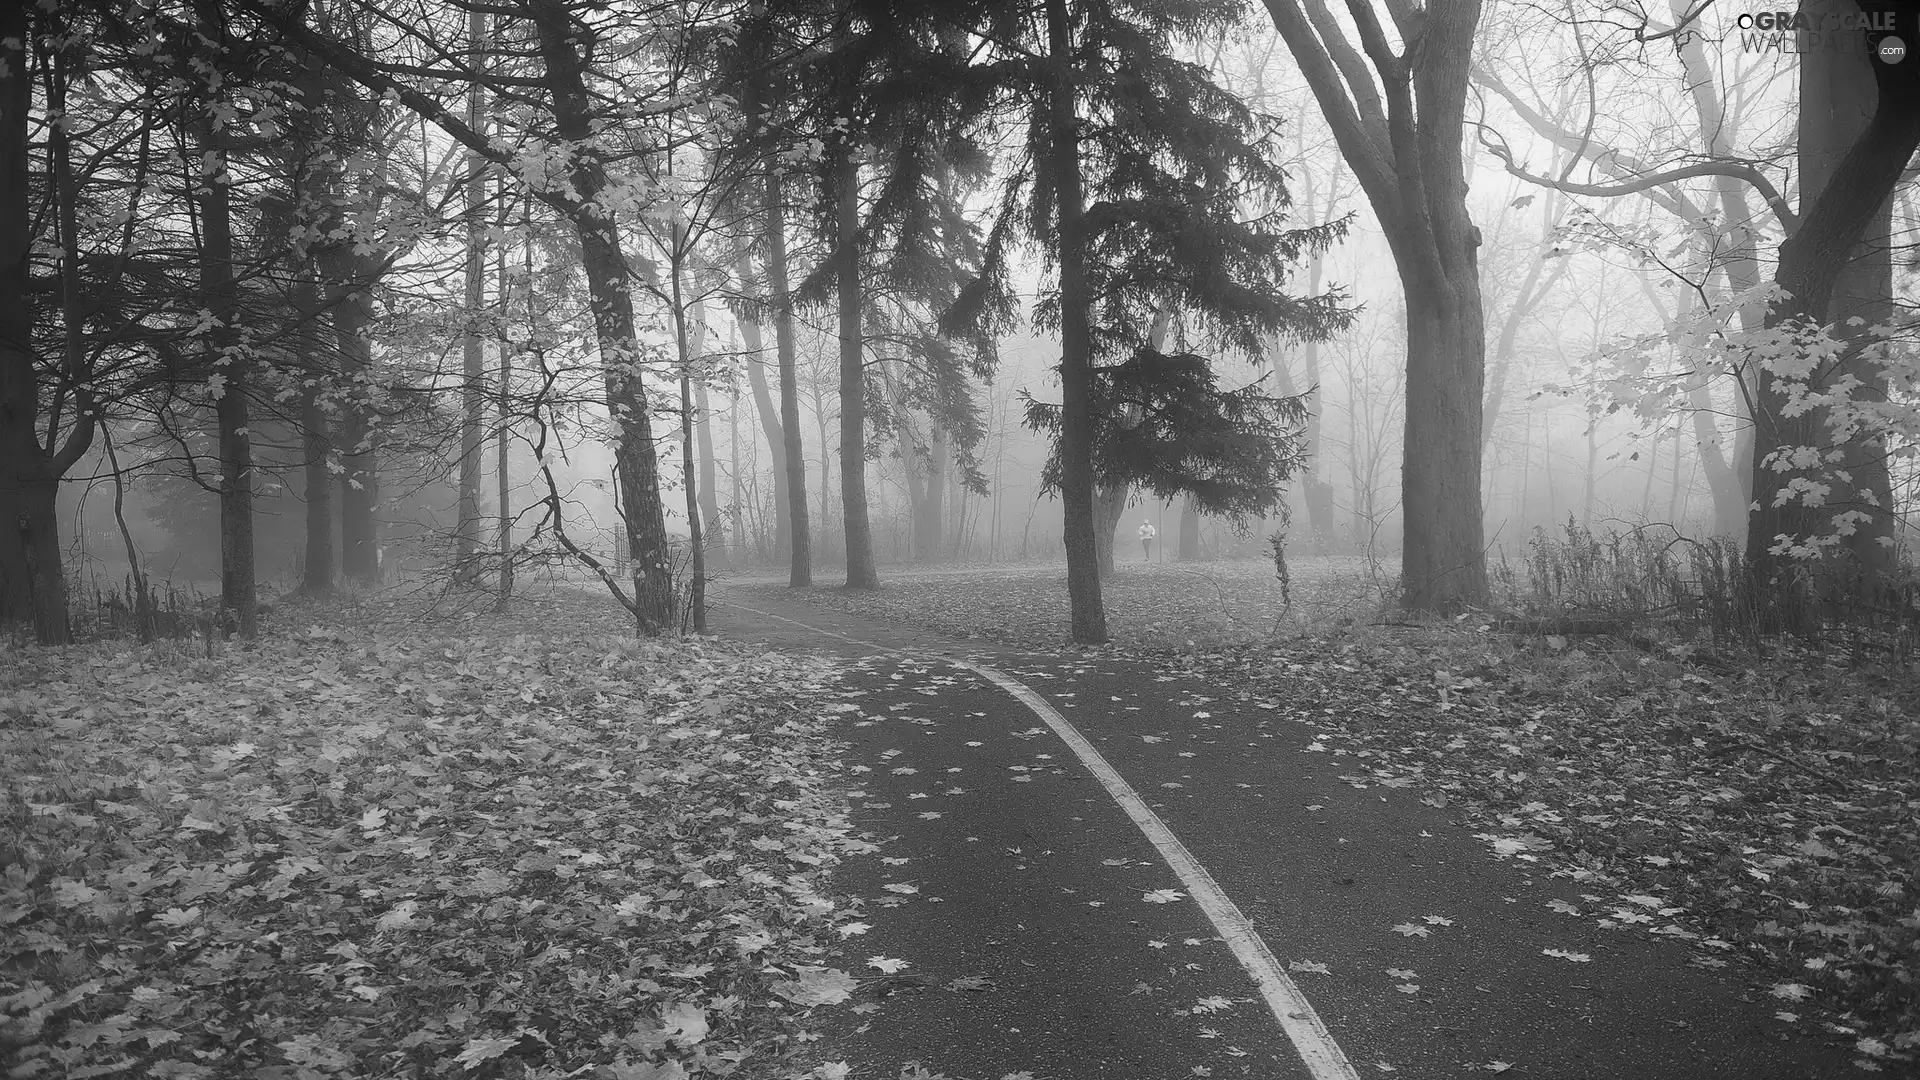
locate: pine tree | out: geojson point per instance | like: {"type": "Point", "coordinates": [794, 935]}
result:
{"type": "Point", "coordinates": [1147, 185]}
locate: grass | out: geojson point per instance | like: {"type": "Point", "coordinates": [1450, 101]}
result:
{"type": "Point", "coordinates": [1154, 605]}
{"type": "Point", "coordinates": [377, 844]}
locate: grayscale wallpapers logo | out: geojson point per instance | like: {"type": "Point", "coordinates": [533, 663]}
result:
{"type": "Point", "coordinates": [1795, 32]}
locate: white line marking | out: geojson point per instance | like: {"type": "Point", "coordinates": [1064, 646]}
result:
{"type": "Point", "coordinates": [1318, 1051]}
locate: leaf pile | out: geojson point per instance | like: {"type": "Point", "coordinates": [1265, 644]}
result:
{"type": "Point", "coordinates": [395, 851]}
{"type": "Point", "coordinates": [1769, 813]}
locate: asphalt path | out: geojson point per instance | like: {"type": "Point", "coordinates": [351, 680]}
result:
{"type": "Point", "coordinates": [1024, 921]}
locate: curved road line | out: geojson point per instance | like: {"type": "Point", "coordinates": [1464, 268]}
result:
{"type": "Point", "coordinates": [1318, 1051]}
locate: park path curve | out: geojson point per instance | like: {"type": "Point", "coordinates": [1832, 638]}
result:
{"type": "Point", "coordinates": [1033, 913]}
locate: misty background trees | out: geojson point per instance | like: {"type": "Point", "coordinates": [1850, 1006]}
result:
{"type": "Point", "coordinates": [330, 295]}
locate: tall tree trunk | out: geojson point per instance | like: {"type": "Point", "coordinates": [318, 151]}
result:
{"type": "Point", "coordinates": [769, 414]}
{"type": "Point", "coordinates": [1837, 101]}
{"type": "Point", "coordinates": [1444, 563]}
{"type": "Point", "coordinates": [1316, 488]}
{"type": "Point", "coordinates": [696, 535]}
{"type": "Point", "coordinates": [316, 577]}
{"type": "Point", "coordinates": [473, 399]}
{"type": "Point", "coordinates": [612, 304]}
{"type": "Point", "coordinates": [709, 477]}
{"type": "Point", "coordinates": [790, 487]}
{"type": "Point", "coordinates": [799, 528]}
{"type": "Point", "coordinates": [861, 572]}
{"type": "Point", "coordinates": [1076, 335]}
{"type": "Point", "coordinates": [736, 496]}
{"type": "Point", "coordinates": [713, 529]}
{"type": "Point", "coordinates": [503, 405]}
{"type": "Point", "coordinates": [213, 194]}
{"type": "Point", "coordinates": [33, 586]}
{"type": "Point", "coordinates": [1402, 136]}
{"type": "Point", "coordinates": [1816, 269]}
{"type": "Point", "coordinates": [928, 498]}
{"type": "Point", "coordinates": [349, 280]}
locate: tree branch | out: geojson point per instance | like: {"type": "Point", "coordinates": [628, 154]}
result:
{"type": "Point", "coordinates": [1625, 167]}
{"type": "Point", "coordinates": [1636, 184]}
{"type": "Point", "coordinates": [1363, 143]}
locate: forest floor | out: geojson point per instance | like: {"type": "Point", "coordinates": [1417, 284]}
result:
{"type": "Point", "coordinates": [1774, 803]}
{"type": "Point", "coordinates": [385, 842]}
{"type": "Point", "coordinates": [390, 840]}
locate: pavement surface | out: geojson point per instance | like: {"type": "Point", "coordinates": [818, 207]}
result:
{"type": "Point", "coordinates": [1026, 924]}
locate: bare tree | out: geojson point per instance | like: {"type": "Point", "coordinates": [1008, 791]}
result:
{"type": "Point", "coordinates": [1398, 118]}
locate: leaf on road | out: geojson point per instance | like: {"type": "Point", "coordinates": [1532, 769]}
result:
{"type": "Point", "coordinates": [1309, 966]}
{"type": "Point", "coordinates": [1163, 896]}
{"type": "Point", "coordinates": [817, 986]}
{"type": "Point", "coordinates": [1413, 930]}
{"type": "Point", "coordinates": [1402, 973]}
{"type": "Point", "coordinates": [886, 964]}
{"type": "Point", "coordinates": [1576, 957]}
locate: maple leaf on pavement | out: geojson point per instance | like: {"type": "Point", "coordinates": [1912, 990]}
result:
{"type": "Point", "coordinates": [1309, 966]}
{"type": "Point", "coordinates": [1413, 930]}
{"type": "Point", "coordinates": [1163, 896]}
{"type": "Point", "coordinates": [886, 965]}
{"type": "Point", "coordinates": [1576, 957]}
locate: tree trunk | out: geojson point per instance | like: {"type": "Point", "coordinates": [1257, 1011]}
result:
{"type": "Point", "coordinates": [1724, 483]}
{"type": "Point", "coordinates": [861, 572]}
{"type": "Point", "coordinates": [1407, 158]}
{"type": "Point", "coordinates": [1815, 269]}
{"type": "Point", "coordinates": [696, 540]}
{"type": "Point", "coordinates": [33, 586]}
{"type": "Point", "coordinates": [316, 576]}
{"type": "Point", "coordinates": [1837, 101]}
{"type": "Point", "coordinates": [213, 192]}
{"type": "Point", "coordinates": [612, 305]}
{"type": "Point", "coordinates": [929, 505]}
{"type": "Point", "coordinates": [473, 369]}
{"type": "Point", "coordinates": [709, 477]}
{"type": "Point", "coordinates": [1443, 563]}
{"type": "Point", "coordinates": [1189, 530]}
{"type": "Point", "coordinates": [350, 280]}
{"type": "Point", "coordinates": [1109, 506]}
{"type": "Point", "coordinates": [770, 423]}
{"type": "Point", "coordinates": [799, 527]}
{"type": "Point", "coordinates": [1076, 336]}
{"type": "Point", "coordinates": [502, 462]}
{"type": "Point", "coordinates": [712, 528]}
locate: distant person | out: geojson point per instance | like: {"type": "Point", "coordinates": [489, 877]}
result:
{"type": "Point", "coordinates": [1147, 534]}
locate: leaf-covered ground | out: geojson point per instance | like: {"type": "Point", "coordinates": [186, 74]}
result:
{"type": "Point", "coordinates": [1766, 814]}
{"type": "Point", "coordinates": [1151, 605]}
{"type": "Point", "coordinates": [375, 846]}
